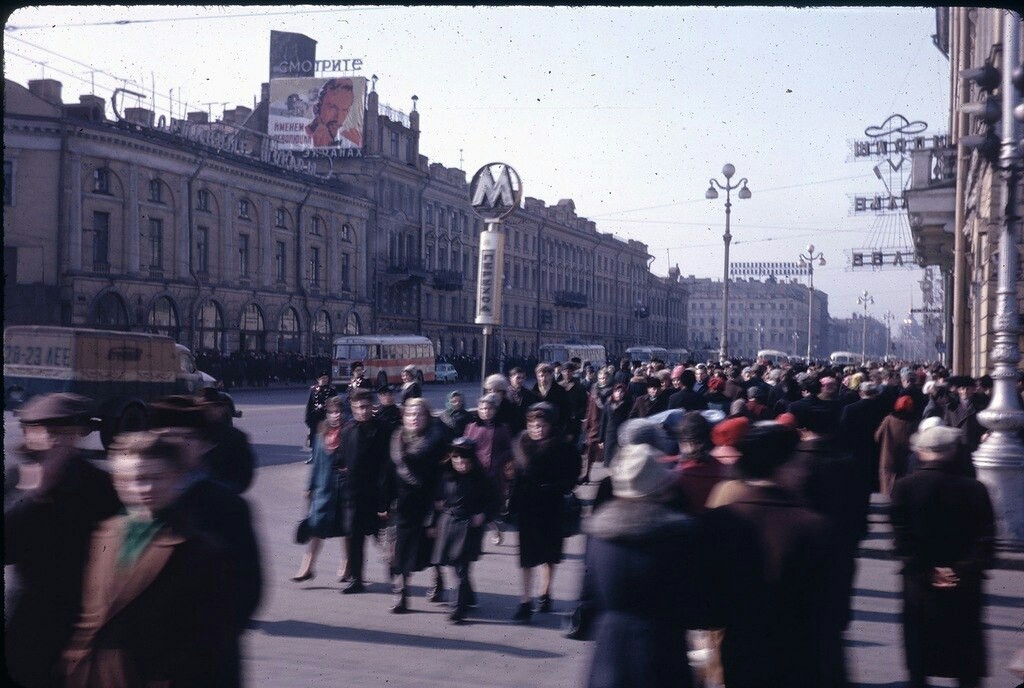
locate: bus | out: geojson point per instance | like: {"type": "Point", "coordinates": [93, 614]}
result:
{"type": "Point", "coordinates": [677, 356]}
{"type": "Point", "coordinates": [773, 356]}
{"type": "Point", "coordinates": [845, 358]}
{"type": "Point", "coordinates": [563, 353]}
{"type": "Point", "coordinates": [644, 354]}
{"type": "Point", "coordinates": [383, 357]}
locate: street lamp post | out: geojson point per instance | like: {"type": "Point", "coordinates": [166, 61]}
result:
{"type": "Point", "coordinates": [865, 300]}
{"type": "Point", "coordinates": [1000, 458]}
{"type": "Point", "coordinates": [711, 194]}
{"type": "Point", "coordinates": [889, 317]}
{"type": "Point", "coordinates": [807, 260]}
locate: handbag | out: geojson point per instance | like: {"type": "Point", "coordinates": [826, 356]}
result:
{"type": "Point", "coordinates": [572, 515]}
{"type": "Point", "coordinates": [302, 532]}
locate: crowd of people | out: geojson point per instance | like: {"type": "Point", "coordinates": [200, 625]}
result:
{"type": "Point", "coordinates": [259, 368]}
{"type": "Point", "coordinates": [726, 527]}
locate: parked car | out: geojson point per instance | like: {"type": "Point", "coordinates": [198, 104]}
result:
{"type": "Point", "coordinates": [445, 372]}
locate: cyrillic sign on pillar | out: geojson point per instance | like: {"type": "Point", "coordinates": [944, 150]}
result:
{"type": "Point", "coordinates": [488, 283]}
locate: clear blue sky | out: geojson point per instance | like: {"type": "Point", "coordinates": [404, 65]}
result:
{"type": "Point", "coordinates": [628, 111]}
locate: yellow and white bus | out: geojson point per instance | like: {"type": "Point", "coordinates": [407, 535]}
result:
{"type": "Point", "coordinates": [383, 357]}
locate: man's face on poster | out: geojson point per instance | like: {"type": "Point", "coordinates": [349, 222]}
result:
{"type": "Point", "coordinates": [335, 106]}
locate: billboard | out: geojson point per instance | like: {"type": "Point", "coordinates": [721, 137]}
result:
{"type": "Point", "coordinates": [291, 54]}
{"type": "Point", "coordinates": [488, 291]}
{"type": "Point", "coordinates": [321, 113]}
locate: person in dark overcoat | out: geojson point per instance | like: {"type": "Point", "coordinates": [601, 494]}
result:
{"type": "Point", "coordinates": [548, 390]}
{"type": "Point", "coordinates": [57, 501]}
{"type": "Point", "coordinates": [597, 400]}
{"type": "Point", "coordinates": [231, 460]}
{"type": "Point", "coordinates": [316, 405]}
{"type": "Point", "coordinates": [765, 557]}
{"type": "Point", "coordinates": [857, 425]}
{"type": "Point", "coordinates": [325, 518]}
{"type": "Point", "coordinates": [518, 396]}
{"type": "Point", "coordinates": [643, 406]}
{"type": "Point", "coordinates": [467, 500]}
{"type": "Point", "coordinates": [825, 475]}
{"type": "Point", "coordinates": [576, 394]}
{"type": "Point", "coordinates": [616, 412]}
{"type": "Point", "coordinates": [387, 413]}
{"type": "Point", "coordinates": [455, 416]}
{"type": "Point", "coordinates": [944, 530]}
{"type": "Point", "coordinates": [411, 388]}
{"type": "Point", "coordinates": [546, 467]}
{"type": "Point", "coordinates": [363, 446]}
{"type": "Point", "coordinates": [417, 451]}
{"type": "Point", "coordinates": [698, 472]}
{"type": "Point", "coordinates": [963, 413]}
{"type": "Point", "coordinates": [640, 578]}
{"type": "Point", "coordinates": [157, 602]}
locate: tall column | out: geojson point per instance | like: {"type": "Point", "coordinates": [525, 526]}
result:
{"type": "Point", "coordinates": [263, 250]}
{"type": "Point", "coordinates": [226, 268]}
{"type": "Point", "coordinates": [75, 215]}
{"type": "Point", "coordinates": [182, 235]}
{"type": "Point", "coordinates": [131, 238]}
{"type": "Point", "coordinates": [332, 261]}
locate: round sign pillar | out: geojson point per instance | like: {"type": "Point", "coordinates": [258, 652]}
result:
{"type": "Point", "coordinates": [494, 192]}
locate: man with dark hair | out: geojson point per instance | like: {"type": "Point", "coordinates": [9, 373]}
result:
{"type": "Point", "coordinates": [330, 111]}
{"type": "Point", "coordinates": [686, 398]}
{"type": "Point", "coordinates": [49, 516]}
{"type": "Point", "coordinates": [624, 373]}
{"type": "Point", "coordinates": [553, 393]}
{"type": "Point", "coordinates": [520, 397]}
{"type": "Point", "coordinates": [316, 405]}
{"type": "Point", "coordinates": [364, 446]}
{"type": "Point", "coordinates": [962, 413]}
{"type": "Point", "coordinates": [577, 397]}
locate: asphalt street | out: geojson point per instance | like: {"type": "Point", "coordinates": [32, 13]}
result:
{"type": "Point", "coordinates": [308, 634]}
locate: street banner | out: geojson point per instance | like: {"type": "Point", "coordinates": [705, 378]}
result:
{"type": "Point", "coordinates": [489, 280]}
{"type": "Point", "coordinates": [317, 113]}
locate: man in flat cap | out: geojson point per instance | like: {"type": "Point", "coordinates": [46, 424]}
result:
{"type": "Point", "coordinates": [944, 529]}
{"type": "Point", "coordinates": [48, 522]}
{"type": "Point", "coordinates": [316, 405]}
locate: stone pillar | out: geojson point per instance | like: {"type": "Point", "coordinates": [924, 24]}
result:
{"type": "Point", "coordinates": [263, 250]}
{"type": "Point", "coordinates": [75, 215]}
{"type": "Point", "coordinates": [332, 259]}
{"type": "Point", "coordinates": [226, 268]}
{"type": "Point", "coordinates": [182, 234]}
{"type": "Point", "coordinates": [131, 223]}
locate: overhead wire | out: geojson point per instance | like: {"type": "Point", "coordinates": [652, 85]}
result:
{"type": "Point", "coordinates": [126, 22]}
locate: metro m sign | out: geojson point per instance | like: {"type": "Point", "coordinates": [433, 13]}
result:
{"type": "Point", "coordinates": [495, 191]}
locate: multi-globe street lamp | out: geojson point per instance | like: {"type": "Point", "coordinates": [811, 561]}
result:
{"type": "Point", "coordinates": [807, 260]}
{"type": "Point", "coordinates": [865, 300]}
{"type": "Point", "coordinates": [889, 317]}
{"type": "Point", "coordinates": [711, 194]}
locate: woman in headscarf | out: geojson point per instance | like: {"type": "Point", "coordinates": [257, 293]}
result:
{"type": "Point", "coordinates": [417, 451]}
{"type": "Point", "coordinates": [698, 471]}
{"type": "Point", "coordinates": [455, 415]}
{"type": "Point", "coordinates": [546, 466]}
{"type": "Point", "coordinates": [893, 438]}
{"type": "Point", "coordinates": [493, 448]}
{"type": "Point", "coordinates": [323, 492]}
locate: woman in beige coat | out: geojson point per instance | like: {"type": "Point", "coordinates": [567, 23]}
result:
{"type": "Point", "coordinates": [893, 438]}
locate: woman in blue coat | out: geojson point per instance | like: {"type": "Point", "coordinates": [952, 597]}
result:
{"type": "Point", "coordinates": [326, 482]}
{"type": "Point", "coordinates": [639, 567]}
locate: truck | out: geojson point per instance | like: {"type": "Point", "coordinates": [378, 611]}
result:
{"type": "Point", "coordinates": [122, 372]}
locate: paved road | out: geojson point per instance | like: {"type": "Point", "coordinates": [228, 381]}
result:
{"type": "Point", "coordinates": [309, 634]}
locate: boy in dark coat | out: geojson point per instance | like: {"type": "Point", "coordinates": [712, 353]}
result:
{"type": "Point", "coordinates": [467, 500]}
{"type": "Point", "coordinates": [944, 530]}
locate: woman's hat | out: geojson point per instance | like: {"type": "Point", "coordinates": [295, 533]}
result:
{"type": "Point", "coordinates": [544, 410]}
{"type": "Point", "coordinates": [463, 446]}
{"type": "Point", "coordinates": [61, 408]}
{"type": "Point", "coordinates": [904, 404]}
{"type": "Point", "coordinates": [936, 438]}
{"type": "Point", "coordinates": [638, 472]}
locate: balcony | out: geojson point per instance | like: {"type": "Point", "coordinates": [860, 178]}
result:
{"type": "Point", "coordinates": [931, 204]}
{"type": "Point", "coordinates": [410, 268]}
{"type": "Point", "coordinates": [570, 299]}
{"type": "Point", "coordinates": [448, 280]}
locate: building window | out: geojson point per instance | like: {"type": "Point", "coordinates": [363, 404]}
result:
{"type": "Point", "coordinates": [315, 225]}
{"type": "Point", "coordinates": [410, 151]}
{"type": "Point", "coordinates": [346, 262]}
{"type": "Point", "coordinates": [442, 219]}
{"type": "Point", "coordinates": [346, 232]}
{"type": "Point", "coordinates": [203, 250]}
{"type": "Point", "coordinates": [203, 200]}
{"type": "Point", "coordinates": [429, 209]}
{"type": "Point", "coordinates": [100, 240]}
{"type": "Point", "coordinates": [8, 182]}
{"type": "Point", "coordinates": [314, 267]}
{"type": "Point", "coordinates": [101, 181]}
{"type": "Point", "coordinates": [156, 191]}
{"type": "Point", "coordinates": [279, 258]}
{"type": "Point", "coordinates": [243, 255]}
{"type": "Point", "coordinates": [394, 143]}
{"type": "Point", "coordinates": [243, 209]}
{"type": "Point", "coordinates": [156, 243]}
{"type": "Point", "coordinates": [279, 218]}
